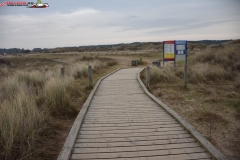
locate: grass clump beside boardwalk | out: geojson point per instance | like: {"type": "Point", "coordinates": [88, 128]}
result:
{"type": "Point", "coordinates": [57, 95]}
{"type": "Point", "coordinates": [33, 104]}
{"type": "Point", "coordinates": [212, 100]}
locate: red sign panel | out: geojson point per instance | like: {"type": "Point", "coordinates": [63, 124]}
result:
{"type": "Point", "coordinates": [169, 42]}
{"type": "Point", "coordinates": [168, 51]}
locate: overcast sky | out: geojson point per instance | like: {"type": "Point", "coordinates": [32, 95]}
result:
{"type": "Point", "coordinates": [93, 22]}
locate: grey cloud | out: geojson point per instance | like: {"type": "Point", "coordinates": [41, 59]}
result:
{"type": "Point", "coordinates": [191, 26]}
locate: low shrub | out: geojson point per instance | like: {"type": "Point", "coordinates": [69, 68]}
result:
{"type": "Point", "coordinates": [166, 74]}
{"type": "Point", "coordinates": [227, 58]}
{"type": "Point", "coordinates": [56, 95]}
{"type": "Point", "coordinates": [205, 72]}
{"type": "Point", "coordinates": [112, 63]}
{"type": "Point", "coordinates": [32, 79]}
{"type": "Point", "coordinates": [5, 61]}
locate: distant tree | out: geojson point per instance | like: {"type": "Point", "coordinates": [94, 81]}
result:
{"type": "Point", "coordinates": [26, 51]}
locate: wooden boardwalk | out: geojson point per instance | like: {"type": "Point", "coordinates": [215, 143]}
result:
{"type": "Point", "coordinates": [122, 122]}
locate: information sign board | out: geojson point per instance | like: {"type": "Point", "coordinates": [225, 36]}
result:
{"type": "Point", "coordinates": [180, 51]}
{"type": "Point", "coordinates": [168, 51]}
{"type": "Point", "coordinates": [181, 47]}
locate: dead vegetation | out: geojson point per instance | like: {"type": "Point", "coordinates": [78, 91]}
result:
{"type": "Point", "coordinates": [212, 101]}
{"type": "Point", "coordinates": [39, 105]}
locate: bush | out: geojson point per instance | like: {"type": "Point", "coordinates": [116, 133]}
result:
{"type": "Point", "coordinates": [112, 63]}
{"type": "Point", "coordinates": [5, 61]}
{"type": "Point", "coordinates": [56, 94]}
{"type": "Point", "coordinates": [33, 79]}
{"type": "Point", "coordinates": [226, 58]}
{"type": "Point", "coordinates": [141, 62]}
{"type": "Point", "coordinates": [167, 74]}
{"type": "Point", "coordinates": [206, 72]}
{"type": "Point", "coordinates": [87, 58]}
{"type": "Point", "coordinates": [79, 70]}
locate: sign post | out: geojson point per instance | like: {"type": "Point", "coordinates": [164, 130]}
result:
{"type": "Point", "coordinates": [181, 54]}
{"type": "Point", "coordinates": [90, 75]}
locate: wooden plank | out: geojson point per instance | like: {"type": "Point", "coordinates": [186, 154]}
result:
{"type": "Point", "coordinates": [132, 100]}
{"type": "Point", "coordinates": [127, 124]}
{"type": "Point", "coordinates": [132, 131]}
{"type": "Point", "coordinates": [135, 148]}
{"type": "Point", "coordinates": [132, 134]}
{"type": "Point", "coordinates": [125, 102]}
{"type": "Point", "coordinates": [132, 121]}
{"type": "Point", "coordinates": [138, 96]}
{"type": "Point", "coordinates": [128, 120]}
{"type": "Point", "coordinates": [125, 121]}
{"type": "Point", "coordinates": [103, 118]}
{"type": "Point", "coordinates": [192, 156]}
{"type": "Point", "coordinates": [122, 112]}
{"type": "Point", "coordinates": [138, 153]}
{"type": "Point", "coordinates": [134, 103]}
{"type": "Point", "coordinates": [217, 154]}
{"type": "Point", "coordinates": [122, 103]}
{"type": "Point", "coordinates": [130, 108]}
{"type": "Point", "coordinates": [129, 128]}
{"type": "Point", "coordinates": [131, 139]}
{"type": "Point", "coordinates": [127, 113]}
{"type": "Point", "coordinates": [98, 114]}
{"type": "Point", "coordinates": [137, 143]}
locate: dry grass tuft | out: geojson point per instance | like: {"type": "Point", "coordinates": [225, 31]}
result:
{"type": "Point", "coordinates": [5, 62]}
{"type": "Point", "coordinates": [21, 122]}
{"type": "Point", "coordinates": [142, 62]}
{"type": "Point", "coordinates": [167, 74]}
{"type": "Point", "coordinates": [200, 72]}
{"type": "Point", "coordinates": [56, 94]}
{"type": "Point", "coordinates": [209, 117]}
{"type": "Point", "coordinates": [31, 101]}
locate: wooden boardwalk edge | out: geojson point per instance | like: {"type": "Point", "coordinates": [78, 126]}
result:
{"type": "Point", "coordinates": [213, 151]}
{"type": "Point", "coordinates": [72, 136]}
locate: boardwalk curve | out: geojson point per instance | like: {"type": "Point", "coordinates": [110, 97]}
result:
{"type": "Point", "coordinates": [122, 120]}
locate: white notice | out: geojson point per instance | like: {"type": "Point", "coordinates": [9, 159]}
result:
{"type": "Point", "coordinates": [181, 47]}
{"type": "Point", "coordinates": [168, 48]}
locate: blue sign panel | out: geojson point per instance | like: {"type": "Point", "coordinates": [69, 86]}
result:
{"type": "Point", "coordinates": [181, 47]}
